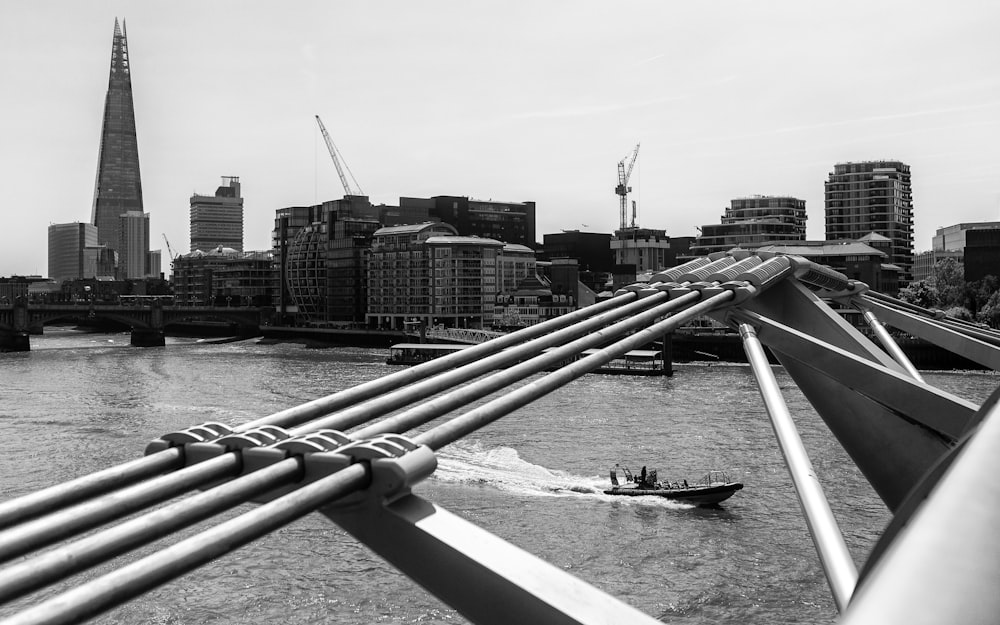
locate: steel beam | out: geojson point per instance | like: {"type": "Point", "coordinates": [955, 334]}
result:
{"type": "Point", "coordinates": [486, 579]}
{"type": "Point", "coordinates": [943, 566]}
{"type": "Point", "coordinates": [976, 350]}
{"type": "Point", "coordinates": [892, 426]}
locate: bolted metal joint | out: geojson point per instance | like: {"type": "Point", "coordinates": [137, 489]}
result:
{"type": "Point", "coordinates": [742, 291]}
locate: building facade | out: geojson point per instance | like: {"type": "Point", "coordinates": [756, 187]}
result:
{"type": "Point", "coordinates": [647, 249]}
{"type": "Point", "coordinates": [873, 196]}
{"type": "Point", "coordinates": [592, 250]}
{"type": "Point", "coordinates": [953, 238]}
{"type": "Point", "coordinates": [73, 251]}
{"type": "Point", "coordinates": [118, 190]}
{"type": "Point", "coordinates": [321, 260]}
{"type": "Point", "coordinates": [218, 220]}
{"type": "Point", "coordinates": [427, 273]}
{"type": "Point", "coordinates": [752, 221]}
{"type": "Point", "coordinates": [401, 285]}
{"type": "Point", "coordinates": [982, 254]}
{"type": "Point", "coordinates": [516, 263]}
{"type": "Point", "coordinates": [511, 222]}
{"type": "Point", "coordinates": [347, 269]}
{"type": "Point", "coordinates": [134, 251]}
{"type": "Point", "coordinates": [224, 277]}
{"type": "Point", "coordinates": [532, 302]}
{"type": "Point", "coordinates": [924, 262]}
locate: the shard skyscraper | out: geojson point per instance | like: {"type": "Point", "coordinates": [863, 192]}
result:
{"type": "Point", "coordinates": [118, 190]}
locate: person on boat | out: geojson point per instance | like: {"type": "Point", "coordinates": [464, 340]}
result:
{"type": "Point", "coordinates": [642, 476]}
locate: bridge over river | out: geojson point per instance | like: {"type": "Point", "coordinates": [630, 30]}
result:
{"type": "Point", "coordinates": [147, 320]}
{"type": "Point", "coordinates": [352, 457]}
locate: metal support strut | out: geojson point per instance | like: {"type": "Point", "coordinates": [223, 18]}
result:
{"type": "Point", "coordinates": [841, 573]}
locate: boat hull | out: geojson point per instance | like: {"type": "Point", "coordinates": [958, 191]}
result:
{"type": "Point", "coordinates": [700, 496]}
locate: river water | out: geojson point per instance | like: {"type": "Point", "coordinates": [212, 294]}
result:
{"type": "Point", "coordinates": [81, 402]}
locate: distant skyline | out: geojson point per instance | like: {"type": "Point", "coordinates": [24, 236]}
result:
{"type": "Point", "coordinates": [509, 101]}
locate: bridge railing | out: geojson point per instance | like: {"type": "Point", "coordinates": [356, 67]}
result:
{"type": "Point", "coordinates": [342, 456]}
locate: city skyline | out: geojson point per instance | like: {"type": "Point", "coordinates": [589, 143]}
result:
{"type": "Point", "coordinates": [514, 103]}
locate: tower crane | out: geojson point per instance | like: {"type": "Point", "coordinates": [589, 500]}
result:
{"type": "Point", "coordinates": [169, 249]}
{"type": "Point", "coordinates": [622, 190]}
{"type": "Point", "coordinates": [337, 158]}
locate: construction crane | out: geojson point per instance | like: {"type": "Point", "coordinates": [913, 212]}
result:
{"type": "Point", "coordinates": [337, 158]}
{"type": "Point", "coordinates": [169, 249]}
{"type": "Point", "coordinates": [623, 189]}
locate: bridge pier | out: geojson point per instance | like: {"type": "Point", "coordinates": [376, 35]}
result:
{"type": "Point", "coordinates": [147, 337]}
{"type": "Point", "coordinates": [14, 341]}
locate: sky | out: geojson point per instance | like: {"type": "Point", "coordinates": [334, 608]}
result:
{"type": "Point", "coordinates": [510, 101]}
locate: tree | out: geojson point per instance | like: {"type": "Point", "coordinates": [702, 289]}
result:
{"type": "Point", "coordinates": [921, 293]}
{"type": "Point", "coordinates": [990, 312]}
{"type": "Point", "coordinates": [987, 300]}
{"type": "Point", "coordinates": [949, 280]}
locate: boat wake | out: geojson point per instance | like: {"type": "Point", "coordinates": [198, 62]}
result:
{"type": "Point", "coordinates": [466, 462]}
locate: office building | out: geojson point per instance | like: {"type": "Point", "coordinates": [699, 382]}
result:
{"type": "Point", "coordinates": [347, 269]}
{"type": "Point", "coordinates": [74, 253]}
{"type": "Point", "coordinates": [592, 250]}
{"type": "Point", "coordinates": [154, 260]}
{"type": "Point", "coordinates": [511, 222]}
{"type": "Point", "coordinates": [873, 196]}
{"type": "Point", "coordinates": [752, 221]}
{"type": "Point", "coordinates": [982, 254]}
{"type": "Point", "coordinates": [68, 258]}
{"type": "Point", "coordinates": [924, 262]}
{"type": "Point", "coordinates": [118, 190]}
{"type": "Point", "coordinates": [218, 220]}
{"type": "Point", "coordinates": [953, 238]}
{"type": "Point", "coordinates": [134, 251]}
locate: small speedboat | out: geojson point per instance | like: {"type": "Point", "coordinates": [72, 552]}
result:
{"type": "Point", "coordinates": [714, 487]}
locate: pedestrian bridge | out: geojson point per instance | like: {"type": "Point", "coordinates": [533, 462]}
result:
{"type": "Point", "coordinates": [147, 320]}
{"type": "Point", "coordinates": [353, 457]}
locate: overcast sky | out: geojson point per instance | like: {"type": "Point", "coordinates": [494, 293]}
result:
{"type": "Point", "coordinates": [512, 101]}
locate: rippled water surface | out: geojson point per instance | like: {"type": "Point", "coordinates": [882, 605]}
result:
{"type": "Point", "coordinates": [81, 402]}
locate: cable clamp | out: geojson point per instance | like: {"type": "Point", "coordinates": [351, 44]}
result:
{"type": "Point", "coordinates": [206, 432]}
{"type": "Point", "coordinates": [397, 464]}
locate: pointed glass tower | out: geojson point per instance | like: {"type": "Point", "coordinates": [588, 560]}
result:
{"type": "Point", "coordinates": [118, 190]}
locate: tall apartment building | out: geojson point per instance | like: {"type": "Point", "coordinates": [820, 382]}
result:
{"type": "Point", "coordinates": [218, 220]}
{"type": "Point", "coordinates": [873, 196]}
{"type": "Point", "coordinates": [118, 190]}
{"type": "Point", "coordinates": [752, 221]}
